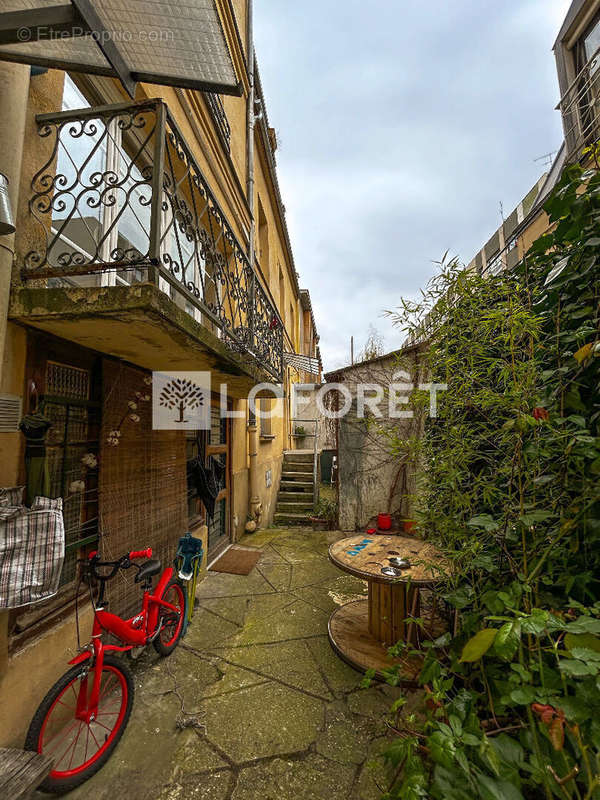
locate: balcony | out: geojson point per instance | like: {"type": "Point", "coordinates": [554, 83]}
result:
{"type": "Point", "coordinates": [123, 226]}
{"type": "Point", "coordinates": [579, 107]}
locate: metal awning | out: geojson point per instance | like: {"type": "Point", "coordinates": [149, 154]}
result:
{"type": "Point", "coordinates": [171, 42]}
{"type": "Point", "coordinates": [305, 363]}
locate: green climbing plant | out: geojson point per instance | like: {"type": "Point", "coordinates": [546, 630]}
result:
{"type": "Point", "coordinates": [509, 490]}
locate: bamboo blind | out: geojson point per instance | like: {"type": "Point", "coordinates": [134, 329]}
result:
{"type": "Point", "coordinates": [142, 482]}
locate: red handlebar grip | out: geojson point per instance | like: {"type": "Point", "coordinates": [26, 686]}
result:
{"type": "Point", "coordinates": [147, 553]}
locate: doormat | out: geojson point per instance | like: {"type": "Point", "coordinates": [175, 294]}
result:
{"type": "Point", "coordinates": [237, 561]}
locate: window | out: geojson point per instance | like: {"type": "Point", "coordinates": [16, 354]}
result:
{"type": "Point", "coordinates": [93, 220]}
{"type": "Point", "coordinates": [292, 324]}
{"type": "Point", "coordinates": [68, 390]}
{"type": "Point", "coordinates": [263, 242]}
{"type": "Point", "coordinates": [588, 46]}
{"type": "Point", "coordinates": [265, 405]}
{"type": "Point", "coordinates": [281, 293]}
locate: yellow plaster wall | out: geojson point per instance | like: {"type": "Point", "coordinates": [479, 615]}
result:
{"type": "Point", "coordinates": [13, 382]}
{"type": "Point", "coordinates": [32, 671]}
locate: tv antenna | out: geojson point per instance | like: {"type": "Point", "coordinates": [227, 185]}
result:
{"type": "Point", "coordinates": [547, 158]}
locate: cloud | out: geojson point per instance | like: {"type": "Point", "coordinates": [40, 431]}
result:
{"type": "Point", "coordinates": [401, 132]}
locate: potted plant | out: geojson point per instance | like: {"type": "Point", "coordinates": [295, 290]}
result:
{"type": "Point", "coordinates": [325, 516]}
{"type": "Point", "coordinates": [300, 431]}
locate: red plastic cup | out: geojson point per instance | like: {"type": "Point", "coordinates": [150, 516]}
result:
{"type": "Point", "coordinates": [409, 525]}
{"type": "Point", "coordinates": [384, 522]}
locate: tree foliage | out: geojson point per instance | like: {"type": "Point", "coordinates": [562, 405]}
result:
{"type": "Point", "coordinates": [510, 492]}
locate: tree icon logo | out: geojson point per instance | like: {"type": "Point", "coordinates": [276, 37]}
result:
{"type": "Point", "coordinates": [181, 394]}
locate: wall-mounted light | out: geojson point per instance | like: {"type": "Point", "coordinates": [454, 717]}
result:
{"type": "Point", "coordinates": [7, 224]}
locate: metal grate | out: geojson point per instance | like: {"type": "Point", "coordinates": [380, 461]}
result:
{"type": "Point", "coordinates": [65, 381]}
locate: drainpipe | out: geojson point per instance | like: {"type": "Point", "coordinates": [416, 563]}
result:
{"type": "Point", "coordinates": [255, 506]}
{"type": "Point", "coordinates": [14, 92]}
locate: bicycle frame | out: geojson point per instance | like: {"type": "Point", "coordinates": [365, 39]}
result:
{"type": "Point", "coordinates": [135, 632]}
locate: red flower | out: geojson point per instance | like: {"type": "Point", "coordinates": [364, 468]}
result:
{"type": "Point", "coordinates": [274, 323]}
{"type": "Point", "coordinates": [541, 413]}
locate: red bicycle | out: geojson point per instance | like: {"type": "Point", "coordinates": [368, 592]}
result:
{"type": "Point", "coordinates": [83, 716]}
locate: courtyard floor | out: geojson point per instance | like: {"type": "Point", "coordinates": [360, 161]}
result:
{"type": "Point", "coordinates": [279, 715]}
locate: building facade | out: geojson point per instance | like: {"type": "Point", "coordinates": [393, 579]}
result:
{"type": "Point", "coordinates": [150, 236]}
{"type": "Point", "coordinates": [577, 54]}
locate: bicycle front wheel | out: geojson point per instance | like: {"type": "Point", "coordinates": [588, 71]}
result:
{"type": "Point", "coordinates": [79, 748]}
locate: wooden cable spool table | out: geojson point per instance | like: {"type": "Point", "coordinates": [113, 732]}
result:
{"type": "Point", "coordinates": [362, 631]}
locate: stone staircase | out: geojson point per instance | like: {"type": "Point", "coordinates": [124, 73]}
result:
{"type": "Point", "coordinates": [295, 500]}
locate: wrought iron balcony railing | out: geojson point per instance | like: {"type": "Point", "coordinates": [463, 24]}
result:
{"type": "Point", "coordinates": [219, 116]}
{"type": "Point", "coordinates": [121, 199]}
{"type": "Point", "coordinates": [580, 109]}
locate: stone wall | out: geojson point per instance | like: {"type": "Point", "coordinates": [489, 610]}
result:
{"type": "Point", "coordinates": [371, 477]}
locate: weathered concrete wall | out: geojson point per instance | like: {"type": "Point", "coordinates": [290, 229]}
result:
{"type": "Point", "coordinates": [373, 477]}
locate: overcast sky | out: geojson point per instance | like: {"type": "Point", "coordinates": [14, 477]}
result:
{"type": "Point", "coordinates": [401, 126]}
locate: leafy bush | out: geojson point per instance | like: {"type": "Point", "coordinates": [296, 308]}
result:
{"type": "Point", "coordinates": [510, 492]}
{"type": "Point", "coordinates": [326, 509]}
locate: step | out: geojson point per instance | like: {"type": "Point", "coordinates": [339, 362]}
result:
{"type": "Point", "coordinates": [296, 486]}
{"type": "Point", "coordinates": [294, 508]}
{"type": "Point", "coordinates": [291, 497]}
{"type": "Point", "coordinates": [292, 519]}
{"type": "Point", "coordinates": [300, 476]}
{"type": "Point", "coordinates": [300, 458]}
{"type": "Point", "coordinates": [299, 466]}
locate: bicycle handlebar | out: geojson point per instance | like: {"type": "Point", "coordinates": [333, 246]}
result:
{"type": "Point", "coordinates": [147, 553]}
{"type": "Point", "coordinates": [114, 566]}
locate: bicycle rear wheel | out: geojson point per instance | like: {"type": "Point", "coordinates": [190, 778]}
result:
{"type": "Point", "coordinates": [80, 748]}
{"type": "Point", "coordinates": [171, 622]}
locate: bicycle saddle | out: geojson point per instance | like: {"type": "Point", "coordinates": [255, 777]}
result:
{"type": "Point", "coordinates": [151, 567]}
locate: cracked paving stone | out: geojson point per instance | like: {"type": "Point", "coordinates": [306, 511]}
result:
{"type": "Point", "coordinates": [340, 677]}
{"type": "Point", "coordinates": [205, 787]}
{"type": "Point", "coordinates": [289, 662]}
{"type": "Point", "coordinates": [232, 680]}
{"type": "Point", "coordinates": [277, 575]}
{"type": "Point", "coordinates": [374, 777]}
{"type": "Point", "coordinates": [231, 609]}
{"type": "Point", "coordinates": [195, 755]}
{"type": "Point", "coordinates": [222, 584]}
{"type": "Point", "coordinates": [309, 778]}
{"type": "Point", "coordinates": [371, 702]}
{"type": "Point", "coordinates": [284, 716]}
{"type": "Point", "coordinates": [344, 742]}
{"type": "Point", "coordinates": [296, 621]}
{"type": "Point", "coordinates": [328, 599]}
{"type": "Point", "coordinates": [315, 571]}
{"type": "Point", "coordinates": [262, 721]}
{"type": "Point", "coordinates": [207, 630]}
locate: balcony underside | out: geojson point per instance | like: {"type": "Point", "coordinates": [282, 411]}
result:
{"type": "Point", "coordinates": [139, 324]}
